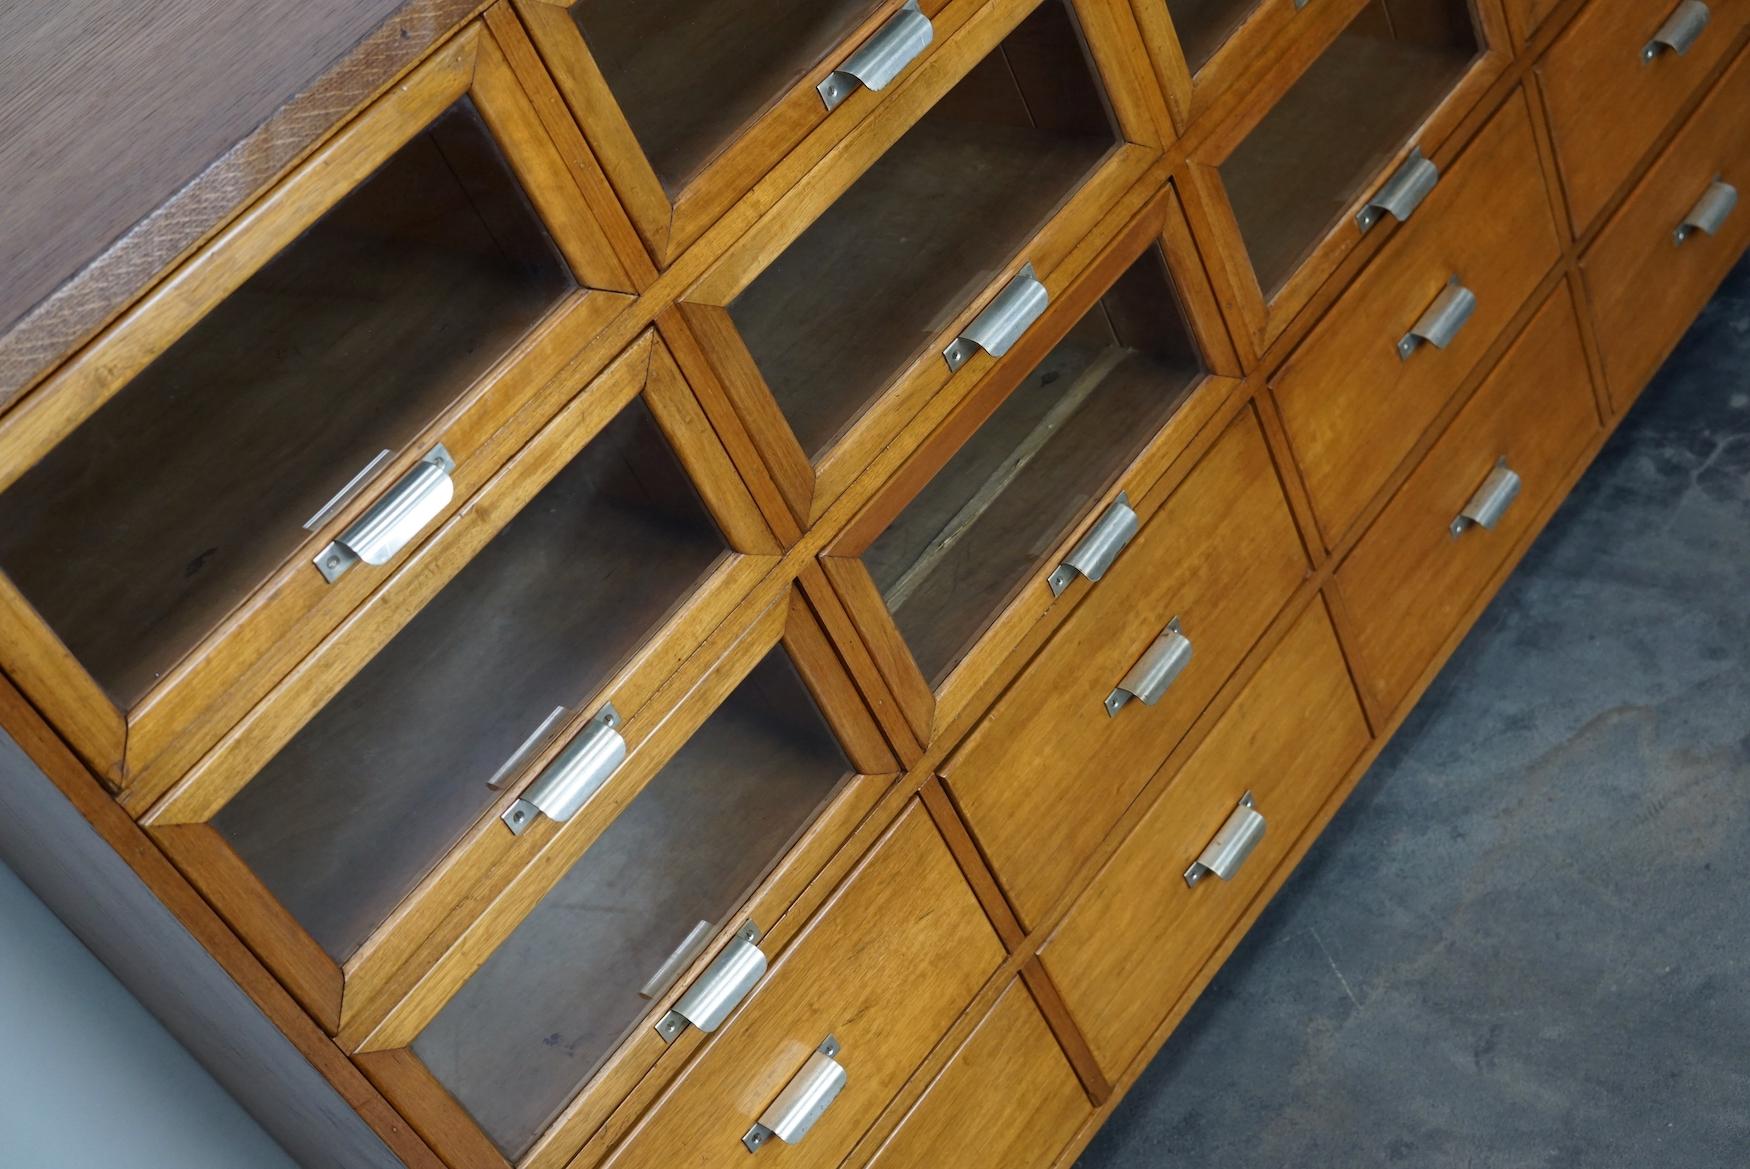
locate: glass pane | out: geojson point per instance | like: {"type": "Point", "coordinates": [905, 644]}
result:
{"type": "Point", "coordinates": [691, 74]}
{"type": "Point", "coordinates": [1205, 25]}
{"type": "Point", "coordinates": [356, 809]}
{"type": "Point", "coordinates": [868, 284]}
{"type": "Point", "coordinates": [149, 524]}
{"type": "Point", "coordinates": [535, 1022]}
{"type": "Point", "coordinates": [951, 560]}
{"type": "Point", "coordinates": [1334, 131]}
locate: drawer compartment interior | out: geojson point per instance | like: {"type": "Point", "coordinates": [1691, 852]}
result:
{"type": "Point", "coordinates": [353, 811]}
{"type": "Point", "coordinates": [528, 1030]}
{"type": "Point", "coordinates": [138, 534]}
{"type": "Point", "coordinates": [1328, 139]}
{"type": "Point", "coordinates": [956, 554]}
{"type": "Point", "coordinates": [840, 313]}
{"type": "Point", "coordinates": [691, 75]}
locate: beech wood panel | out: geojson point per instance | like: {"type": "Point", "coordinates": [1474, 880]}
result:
{"type": "Point", "coordinates": [1008, 1099]}
{"type": "Point", "coordinates": [1136, 937]}
{"type": "Point", "coordinates": [1410, 578]}
{"type": "Point", "coordinates": [1608, 105]}
{"type": "Point", "coordinates": [1045, 776]}
{"type": "Point", "coordinates": [1644, 286]}
{"type": "Point", "coordinates": [886, 967]}
{"type": "Point", "coordinates": [1352, 408]}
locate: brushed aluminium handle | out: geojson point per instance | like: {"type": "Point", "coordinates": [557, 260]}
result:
{"type": "Point", "coordinates": [1224, 855]}
{"type": "Point", "coordinates": [1442, 320]}
{"type": "Point", "coordinates": [1710, 211]}
{"type": "Point", "coordinates": [789, 1117]}
{"type": "Point", "coordinates": [729, 979]}
{"type": "Point", "coordinates": [1679, 31]}
{"type": "Point", "coordinates": [882, 57]}
{"type": "Point", "coordinates": [390, 523]}
{"type": "Point", "coordinates": [1402, 193]}
{"type": "Point", "coordinates": [1490, 501]}
{"type": "Point", "coordinates": [1095, 552]}
{"type": "Point", "coordinates": [592, 756]}
{"type": "Point", "coordinates": [1009, 314]}
{"type": "Point", "coordinates": [1155, 671]}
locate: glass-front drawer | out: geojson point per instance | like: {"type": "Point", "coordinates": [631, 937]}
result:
{"type": "Point", "coordinates": [165, 521]}
{"type": "Point", "coordinates": [1201, 47]}
{"type": "Point", "coordinates": [830, 329]}
{"type": "Point", "coordinates": [334, 802]}
{"type": "Point", "coordinates": [664, 922]}
{"type": "Point", "coordinates": [1034, 484]}
{"type": "Point", "coordinates": [690, 102]}
{"type": "Point", "coordinates": [1346, 147]}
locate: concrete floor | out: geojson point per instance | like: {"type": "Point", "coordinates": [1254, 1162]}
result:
{"type": "Point", "coordinates": [1525, 942]}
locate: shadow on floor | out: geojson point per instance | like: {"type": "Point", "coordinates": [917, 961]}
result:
{"type": "Point", "coordinates": [1525, 942]}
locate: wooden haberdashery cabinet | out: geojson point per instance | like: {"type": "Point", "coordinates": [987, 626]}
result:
{"type": "Point", "coordinates": [666, 583]}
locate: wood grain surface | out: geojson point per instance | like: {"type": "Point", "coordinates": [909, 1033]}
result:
{"type": "Point", "coordinates": [200, 107]}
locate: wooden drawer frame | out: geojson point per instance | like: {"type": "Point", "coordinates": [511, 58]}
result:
{"type": "Point", "coordinates": [1650, 213]}
{"type": "Point", "coordinates": [1008, 816]}
{"type": "Point", "coordinates": [1257, 319]}
{"type": "Point", "coordinates": [1097, 208]}
{"type": "Point", "coordinates": [651, 1141]}
{"type": "Point", "coordinates": [670, 224]}
{"type": "Point", "coordinates": [504, 894]}
{"type": "Point", "coordinates": [338, 997]}
{"type": "Point", "coordinates": [1580, 130]}
{"type": "Point", "coordinates": [1161, 224]}
{"type": "Point", "coordinates": [1409, 393]}
{"type": "Point", "coordinates": [142, 749]}
{"type": "Point", "coordinates": [1252, 44]}
{"type": "Point", "coordinates": [1194, 800]}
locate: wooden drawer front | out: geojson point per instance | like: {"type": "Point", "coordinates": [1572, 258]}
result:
{"type": "Point", "coordinates": [1608, 103]}
{"type": "Point", "coordinates": [1353, 407]}
{"type": "Point", "coordinates": [1139, 934]}
{"type": "Point", "coordinates": [1644, 287]}
{"type": "Point", "coordinates": [1007, 1100]}
{"type": "Point", "coordinates": [1410, 579]}
{"type": "Point", "coordinates": [885, 968]}
{"type": "Point", "coordinates": [1044, 777]}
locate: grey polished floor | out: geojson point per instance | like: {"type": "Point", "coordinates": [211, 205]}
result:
{"type": "Point", "coordinates": [1525, 942]}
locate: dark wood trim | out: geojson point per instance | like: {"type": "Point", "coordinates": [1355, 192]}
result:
{"type": "Point", "coordinates": [74, 313]}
